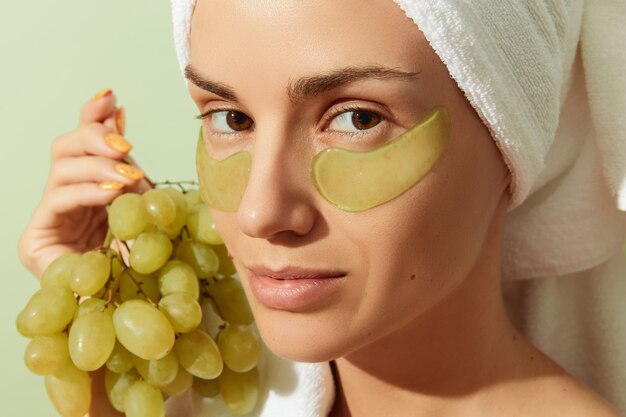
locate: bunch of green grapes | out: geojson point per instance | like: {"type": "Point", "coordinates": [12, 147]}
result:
{"type": "Point", "coordinates": [157, 306]}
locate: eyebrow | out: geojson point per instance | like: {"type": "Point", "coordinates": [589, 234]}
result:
{"type": "Point", "coordinates": [308, 86]}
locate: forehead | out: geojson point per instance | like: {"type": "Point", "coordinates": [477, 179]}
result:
{"type": "Point", "coordinates": [282, 38]}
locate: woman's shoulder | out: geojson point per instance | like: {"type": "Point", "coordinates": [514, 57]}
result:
{"type": "Point", "coordinates": [555, 392]}
{"type": "Point", "coordinates": [573, 399]}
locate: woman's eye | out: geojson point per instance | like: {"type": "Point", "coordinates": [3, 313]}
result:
{"type": "Point", "coordinates": [228, 121]}
{"type": "Point", "coordinates": [355, 120]}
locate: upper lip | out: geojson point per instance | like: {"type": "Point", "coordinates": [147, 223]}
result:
{"type": "Point", "coordinates": [295, 272]}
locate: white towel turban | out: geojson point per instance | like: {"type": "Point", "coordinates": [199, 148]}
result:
{"type": "Point", "coordinates": [548, 79]}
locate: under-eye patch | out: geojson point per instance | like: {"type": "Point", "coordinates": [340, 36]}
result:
{"type": "Point", "coordinates": [356, 181]}
{"type": "Point", "coordinates": [222, 183]}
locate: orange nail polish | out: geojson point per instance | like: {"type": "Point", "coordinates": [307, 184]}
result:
{"type": "Point", "coordinates": [120, 120]}
{"type": "Point", "coordinates": [129, 171]}
{"type": "Point", "coordinates": [111, 185]}
{"type": "Point", "coordinates": [117, 142]}
{"type": "Point", "coordinates": [102, 93]}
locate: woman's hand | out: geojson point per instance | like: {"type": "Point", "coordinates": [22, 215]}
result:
{"type": "Point", "coordinates": [90, 167]}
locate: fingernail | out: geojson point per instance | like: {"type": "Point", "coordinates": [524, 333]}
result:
{"type": "Point", "coordinates": [120, 120]}
{"type": "Point", "coordinates": [111, 185]}
{"type": "Point", "coordinates": [101, 94]}
{"type": "Point", "coordinates": [117, 142]}
{"type": "Point", "coordinates": [129, 171]}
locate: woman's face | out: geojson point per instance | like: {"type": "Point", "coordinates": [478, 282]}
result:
{"type": "Point", "coordinates": [398, 259]}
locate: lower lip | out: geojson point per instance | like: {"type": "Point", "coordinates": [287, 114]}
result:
{"type": "Point", "coordinates": [293, 294]}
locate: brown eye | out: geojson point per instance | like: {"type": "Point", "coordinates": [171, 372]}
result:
{"type": "Point", "coordinates": [229, 121]}
{"type": "Point", "coordinates": [365, 120]}
{"type": "Point", "coordinates": [238, 121]}
{"type": "Point", "coordinates": [355, 120]}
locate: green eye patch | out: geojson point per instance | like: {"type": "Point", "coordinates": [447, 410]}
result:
{"type": "Point", "coordinates": [222, 183]}
{"type": "Point", "coordinates": [357, 181]}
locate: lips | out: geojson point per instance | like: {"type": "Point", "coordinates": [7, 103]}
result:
{"type": "Point", "coordinates": [294, 289]}
{"type": "Point", "coordinates": [293, 272]}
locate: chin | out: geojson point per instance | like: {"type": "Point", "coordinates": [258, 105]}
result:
{"type": "Point", "coordinates": [302, 337]}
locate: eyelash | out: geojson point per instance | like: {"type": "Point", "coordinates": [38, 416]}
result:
{"type": "Point", "coordinates": [336, 112]}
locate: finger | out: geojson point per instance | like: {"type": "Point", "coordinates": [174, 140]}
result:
{"type": "Point", "coordinates": [139, 187]}
{"type": "Point", "coordinates": [92, 139]}
{"type": "Point", "coordinates": [144, 184]}
{"type": "Point", "coordinates": [92, 169]}
{"type": "Point", "coordinates": [66, 199]}
{"type": "Point", "coordinates": [98, 108]}
{"type": "Point", "coordinates": [117, 121]}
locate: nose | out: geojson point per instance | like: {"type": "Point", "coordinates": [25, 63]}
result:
{"type": "Point", "coordinates": [277, 199]}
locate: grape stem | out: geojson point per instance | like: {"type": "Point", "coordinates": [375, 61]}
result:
{"type": "Point", "coordinates": [139, 289]}
{"type": "Point", "coordinates": [179, 184]}
{"type": "Point", "coordinates": [108, 239]}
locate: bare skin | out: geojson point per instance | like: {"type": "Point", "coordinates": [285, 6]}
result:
{"type": "Point", "coordinates": [419, 327]}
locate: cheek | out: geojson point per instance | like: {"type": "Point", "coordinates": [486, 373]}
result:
{"type": "Point", "coordinates": [409, 261]}
{"type": "Point", "coordinates": [227, 227]}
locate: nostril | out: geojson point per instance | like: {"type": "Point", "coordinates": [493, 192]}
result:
{"type": "Point", "coordinates": [281, 215]}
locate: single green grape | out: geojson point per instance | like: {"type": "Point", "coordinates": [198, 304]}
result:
{"type": "Point", "coordinates": [45, 355]}
{"type": "Point", "coordinates": [159, 207]}
{"type": "Point", "coordinates": [177, 276]}
{"type": "Point", "coordinates": [199, 355]}
{"type": "Point", "coordinates": [69, 389]}
{"type": "Point", "coordinates": [212, 322]}
{"type": "Point", "coordinates": [127, 218]}
{"type": "Point", "coordinates": [121, 360]}
{"type": "Point", "coordinates": [91, 272]}
{"type": "Point", "coordinates": [199, 256]}
{"type": "Point", "coordinates": [231, 301]}
{"type": "Point", "coordinates": [48, 311]}
{"type": "Point", "coordinates": [240, 347]}
{"type": "Point", "coordinates": [180, 384]}
{"type": "Point", "coordinates": [206, 387]}
{"type": "Point", "coordinates": [150, 251]}
{"type": "Point", "coordinates": [239, 390]}
{"type": "Point", "coordinates": [227, 267]}
{"type": "Point", "coordinates": [144, 400]}
{"type": "Point", "coordinates": [143, 329]}
{"type": "Point", "coordinates": [116, 386]}
{"type": "Point", "coordinates": [201, 226]}
{"type": "Point", "coordinates": [59, 272]}
{"type": "Point", "coordinates": [172, 230]}
{"type": "Point", "coordinates": [158, 372]}
{"type": "Point", "coordinates": [91, 340]}
{"type": "Point", "coordinates": [182, 310]}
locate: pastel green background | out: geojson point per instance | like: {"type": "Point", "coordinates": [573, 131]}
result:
{"type": "Point", "coordinates": [55, 56]}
